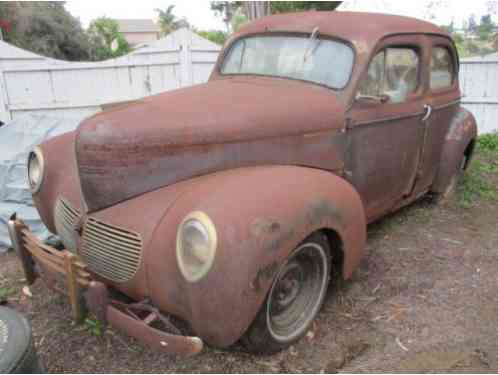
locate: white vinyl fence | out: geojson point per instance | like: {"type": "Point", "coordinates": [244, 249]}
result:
{"type": "Point", "coordinates": [33, 84]}
{"type": "Point", "coordinates": [479, 83]}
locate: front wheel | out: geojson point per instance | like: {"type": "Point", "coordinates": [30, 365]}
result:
{"type": "Point", "coordinates": [295, 297]}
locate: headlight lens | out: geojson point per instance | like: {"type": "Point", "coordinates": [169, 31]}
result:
{"type": "Point", "coordinates": [196, 243]}
{"type": "Point", "coordinates": [35, 169]}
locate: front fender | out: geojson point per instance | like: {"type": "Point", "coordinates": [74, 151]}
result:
{"type": "Point", "coordinates": [261, 215]}
{"type": "Point", "coordinates": [462, 131]}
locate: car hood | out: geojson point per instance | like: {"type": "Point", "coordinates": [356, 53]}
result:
{"type": "Point", "coordinates": [226, 123]}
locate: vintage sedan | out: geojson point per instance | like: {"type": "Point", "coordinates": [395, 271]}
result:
{"type": "Point", "coordinates": [226, 208]}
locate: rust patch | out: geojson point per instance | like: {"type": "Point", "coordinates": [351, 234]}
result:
{"type": "Point", "coordinates": [456, 130]}
{"type": "Point", "coordinates": [264, 274]}
{"type": "Point", "coordinates": [361, 47]}
{"type": "Point", "coordinates": [263, 226]}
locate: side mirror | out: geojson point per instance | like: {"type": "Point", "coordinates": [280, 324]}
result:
{"type": "Point", "coordinates": [383, 98]}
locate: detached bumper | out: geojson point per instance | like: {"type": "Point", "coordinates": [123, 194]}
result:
{"type": "Point", "coordinates": [86, 294]}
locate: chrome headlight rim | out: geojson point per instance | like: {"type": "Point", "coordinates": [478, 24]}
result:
{"type": "Point", "coordinates": [199, 218]}
{"type": "Point", "coordinates": [35, 186]}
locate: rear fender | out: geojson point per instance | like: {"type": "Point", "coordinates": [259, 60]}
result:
{"type": "Point", "coordinates": [459, 139]}
{"type": "Point", "coordinates": [261, 215]}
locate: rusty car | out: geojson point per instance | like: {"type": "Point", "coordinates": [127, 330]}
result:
{"type": "Point", "coordinates": [220, 213]}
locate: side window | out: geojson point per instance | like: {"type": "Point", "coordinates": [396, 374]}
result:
{"type": "Point", "coordinates": [372, 84]}
{"type": "Point", "coordinates": [392, 72]}
{"type": "Point", "coordinates": [442, 70]}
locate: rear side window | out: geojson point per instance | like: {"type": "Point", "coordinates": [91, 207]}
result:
{"type": "Point", "coordinates": [442, 69]}
{"type": "Point", "coordinates": [392, 72]}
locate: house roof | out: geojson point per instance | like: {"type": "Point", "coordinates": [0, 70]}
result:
{"type": "Point", "coordinates": [137, 26]}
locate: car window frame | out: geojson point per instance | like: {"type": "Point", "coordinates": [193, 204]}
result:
{"type": "Point", "coordinates": [232, 43]}
{"type": "Point", "coordinates": [438, 42]}
{"type": "Point", "coordinates": [416, 40]}
{"type": "Point", "coordinates": [418, 49]}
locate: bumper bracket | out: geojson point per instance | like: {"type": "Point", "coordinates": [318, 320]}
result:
{"type": "Point", "coordinates": [84, 294]}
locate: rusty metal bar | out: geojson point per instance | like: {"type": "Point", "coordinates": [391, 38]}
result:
{"type": "Point", "coordinates": [74, 288]}
{"type": "Point", "coordinates": [16, 227]}
{"type": "Point", "coordinates": [159, 340]}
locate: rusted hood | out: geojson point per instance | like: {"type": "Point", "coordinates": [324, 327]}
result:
{"type": "Point", "coordinates": [223, 124]}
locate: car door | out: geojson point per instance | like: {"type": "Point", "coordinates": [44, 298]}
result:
{"type": "Point", "coordinates": [385, 124]}
{"type": "Point", "coordinates": [443, 100]}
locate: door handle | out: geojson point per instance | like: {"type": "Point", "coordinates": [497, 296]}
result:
{"type": "Point", "coordinates": [428, 111]}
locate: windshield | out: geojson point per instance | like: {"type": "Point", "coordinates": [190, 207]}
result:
{"type": "Point", "coordinates": [321, 61]}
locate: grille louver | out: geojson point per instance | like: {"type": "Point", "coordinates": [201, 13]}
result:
{"type": "Point", "coordinates": [65, 218]}
{"type": "Point", "coordinates": [110, 251]}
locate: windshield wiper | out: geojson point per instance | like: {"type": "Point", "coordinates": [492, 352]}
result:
{"type": "Point", "coordinates": [310, 48]}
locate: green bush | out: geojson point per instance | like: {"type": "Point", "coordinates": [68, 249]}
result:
{"type": "Point", "coordinates": [488, 142]}
{"type": "Point", "coordinates": [479, 182]}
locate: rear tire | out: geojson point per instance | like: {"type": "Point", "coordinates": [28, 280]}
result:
{"type": "Point", "coordinates": [294, 299]}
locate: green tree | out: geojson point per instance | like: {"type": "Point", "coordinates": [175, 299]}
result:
{"type": "Point", "coordinates": [215, 36]}
{"type": "Point", "coordinates": [239, 19]}
{"type": "Point", "coordinates": [472, 23]}
{"type": "Point", "coordinates": [168, 22]}
{"type": "Point", "coordinates": [234, 13]}
{"type": "Point", "coordinates": [106, 40]}
{"type": "Point", "coordinates": [45, 28]}
{"type": "Point", "coordinates": [485, 28]}
{"type": "Point", "coordinates": [300, 6]}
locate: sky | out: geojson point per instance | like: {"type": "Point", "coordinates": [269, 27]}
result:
{"type": "Point", "coordinates": [199, 14]}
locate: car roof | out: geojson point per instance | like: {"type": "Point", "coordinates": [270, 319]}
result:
{"type": "Point", "coordinates": [353, 26]}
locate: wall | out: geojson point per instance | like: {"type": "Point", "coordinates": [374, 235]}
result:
{"type": "Point", "coordinates": [139, 38]}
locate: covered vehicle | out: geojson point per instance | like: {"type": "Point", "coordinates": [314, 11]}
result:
{"type": "Point", "coordinates": [230, 205]}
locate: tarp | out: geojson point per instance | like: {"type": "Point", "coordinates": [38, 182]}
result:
{"type": "Point", "coordinates": [17, 138]}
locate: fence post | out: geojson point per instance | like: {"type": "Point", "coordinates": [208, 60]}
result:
{"type": "Point", "coordinates": [5, 114]}
{"type": "Point", "coordinates": [185, 58]}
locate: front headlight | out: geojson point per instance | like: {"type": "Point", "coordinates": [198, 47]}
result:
{"type": "Point", "coordinates": [35, 169]}
{"type": "Point", "coordinates": [196, 243]}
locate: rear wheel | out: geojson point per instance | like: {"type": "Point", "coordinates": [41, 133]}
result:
{"type": "Point", "coordinates": [295, 297]}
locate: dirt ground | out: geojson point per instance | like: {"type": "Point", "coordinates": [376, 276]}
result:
{"type": "Point", "coordinates": [424, 299]}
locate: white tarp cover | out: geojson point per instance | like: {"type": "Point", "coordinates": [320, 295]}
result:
{"type": "Point", "coordinates": [17, 139]}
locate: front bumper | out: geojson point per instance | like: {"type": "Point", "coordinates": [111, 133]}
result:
{"type": "Point", "coordinates": [86, 294]}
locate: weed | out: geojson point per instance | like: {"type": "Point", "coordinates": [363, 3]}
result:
{"type": "Point", "coordinates": [94, 326]}
{"type": "Point", "coordinates": [6, 292]}
{"type": "Point", "coordinates": [488, 142]}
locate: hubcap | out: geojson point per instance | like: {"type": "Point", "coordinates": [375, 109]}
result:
{"type": "Point", "coordinates": [297, 292]}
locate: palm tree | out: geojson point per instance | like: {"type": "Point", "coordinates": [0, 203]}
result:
{"type": "Point", "coordinates": [167, 20]}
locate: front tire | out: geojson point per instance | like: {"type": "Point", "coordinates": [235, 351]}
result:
{"type": "Point", "coordinates": [294, 299]}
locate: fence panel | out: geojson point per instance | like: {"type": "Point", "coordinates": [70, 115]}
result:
{"type": "Point", "coordinates": [34, 84]}
{"type": "Point", "coordinates": [479, 84]}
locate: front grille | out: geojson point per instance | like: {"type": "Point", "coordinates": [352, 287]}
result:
{"type": "Point", "coordinates": [65, 218]}
{"type": "Point", "coordinates": [110, 251]}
